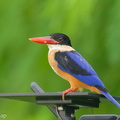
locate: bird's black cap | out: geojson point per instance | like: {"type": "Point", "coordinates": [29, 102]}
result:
{"type": "Point", "coordinates": [61, 38]}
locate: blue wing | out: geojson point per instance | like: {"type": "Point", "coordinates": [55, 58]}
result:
{"type": "Point", "coordinates": [73, 63]}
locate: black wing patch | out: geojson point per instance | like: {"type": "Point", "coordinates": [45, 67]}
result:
{"type": "Point", "coordinates": [68, 64]}
{"type": "Point", "coordinates": [101, 88]}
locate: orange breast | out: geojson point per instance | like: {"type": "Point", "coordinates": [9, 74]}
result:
{"type": "Point", "coordinates": [75, 83]}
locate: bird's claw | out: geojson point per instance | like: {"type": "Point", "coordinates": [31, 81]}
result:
{"type": "Point", "coordinates": [67, 91]}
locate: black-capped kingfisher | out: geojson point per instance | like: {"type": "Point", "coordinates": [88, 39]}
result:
{"type": "Point", "coordinates": [71, 66]}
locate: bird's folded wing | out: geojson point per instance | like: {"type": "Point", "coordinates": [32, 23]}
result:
{"type": "Point", "coordinates": [73, 63]}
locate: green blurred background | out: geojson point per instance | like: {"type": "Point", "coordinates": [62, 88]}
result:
{"type": "Point", "coordinates": [92, 25]}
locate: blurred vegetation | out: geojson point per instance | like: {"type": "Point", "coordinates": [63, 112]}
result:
{"type": "Point", "coordinates": [92, 25]}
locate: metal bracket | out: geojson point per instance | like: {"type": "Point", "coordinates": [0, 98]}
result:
{"type": "Point", "coordinates": [62, 112]}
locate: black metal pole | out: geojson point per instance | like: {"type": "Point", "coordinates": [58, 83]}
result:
{"type": "Point", "coordinates": [37, 89]}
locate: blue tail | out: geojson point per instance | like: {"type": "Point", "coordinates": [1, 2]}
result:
{"type": "Point", "coordinates": [107, 95]}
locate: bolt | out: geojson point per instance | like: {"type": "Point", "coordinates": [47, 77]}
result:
{"type": "Point", "coordinates": [72, 115]}
{"type": "Point", "coordinates": [60, 108]}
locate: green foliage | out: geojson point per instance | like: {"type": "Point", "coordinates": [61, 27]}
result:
{"type": "Point", "coordinates": [92, 25]}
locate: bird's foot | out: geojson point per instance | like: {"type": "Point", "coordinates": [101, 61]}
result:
{"type": "Point", "coordinates": [67, 91]}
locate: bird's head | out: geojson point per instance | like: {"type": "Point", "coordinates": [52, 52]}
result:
{"type": "Point", "coordinates": [54, 38]}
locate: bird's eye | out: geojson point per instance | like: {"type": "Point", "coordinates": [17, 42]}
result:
{"type": "Point", "coordinates": [60, 38]}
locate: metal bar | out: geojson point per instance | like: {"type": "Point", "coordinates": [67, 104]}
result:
{"type": "Point", "coordinates": [37, 89]}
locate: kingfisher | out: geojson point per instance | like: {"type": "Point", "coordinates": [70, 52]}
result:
{"type": "Point", "coordinates": [71, 66]}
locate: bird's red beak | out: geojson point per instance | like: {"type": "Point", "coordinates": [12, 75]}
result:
{"type": "Point", "coordinates": [44, 40]}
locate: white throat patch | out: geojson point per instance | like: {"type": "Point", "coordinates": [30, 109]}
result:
{"type": "Point", "coordinates": [60, 47]}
